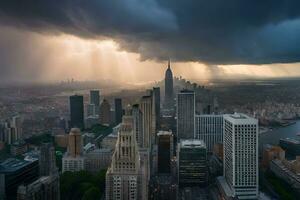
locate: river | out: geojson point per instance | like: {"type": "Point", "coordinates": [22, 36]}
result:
{"type": "Point", "coordinates": [273, 137]}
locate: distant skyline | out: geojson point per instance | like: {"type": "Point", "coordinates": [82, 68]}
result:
{"type": "Point", "coordinates": [46, 41]}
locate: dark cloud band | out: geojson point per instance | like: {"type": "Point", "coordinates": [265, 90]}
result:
{"type": "Point", "coordinates": [215, 31]}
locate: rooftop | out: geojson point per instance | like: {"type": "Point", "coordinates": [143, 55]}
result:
{"type": "Point", "coordinates": [192, 143]}
{"type": "Point", "coordinates": [290, 140]}
{"type": "Point", "coordinates": [186, 91]}
{"type": "Point", "coordinates": [13, 164]}
{"type": "Point", "coordinates": [240, 118]}
{"type": "Point", "coordinates": [164, 133]}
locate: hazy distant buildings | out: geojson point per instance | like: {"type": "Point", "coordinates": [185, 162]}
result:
{"type": "Point", "coordinates": [169, 90]}
{"type": "Point", "coordinates": [105, 114]}
{"type": "Point", "coordinates": [164, 151]}
{"type": "Point", "coordinates": [209, 128]}
{"type": "Point", "coordinates": [91, 110]}
{"type": "Point", "coordinates": [124, 178]}
{"type": "Point", "coordinates": [185, 114]}
{"type": "Point", "coordinates": [95, 99]}
{"type": "Point", "coordinates": [192, 163]}
{"type": "Point", "coordinates": [118, 110]}
{"type": "Point", "coordinates": [73, 159]}
{"type": "Point", "coordinates": [240, 157]}
{"type": "Point", "coordinates": [76, 112]}
{"type": "Point", "coordinates": [12, 130]}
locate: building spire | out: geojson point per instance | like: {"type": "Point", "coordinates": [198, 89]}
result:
{"type": "Point", "coordinates": [169, 63]}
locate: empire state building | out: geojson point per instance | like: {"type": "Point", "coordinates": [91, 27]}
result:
{"type": "Point", "coordinates": [169, 88]}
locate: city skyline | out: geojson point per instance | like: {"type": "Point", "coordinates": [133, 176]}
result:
{"type": "Point", "coordinates": [149, 100]}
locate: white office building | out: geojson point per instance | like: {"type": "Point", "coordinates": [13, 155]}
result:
{"type": "Point", "coordinates": [240, 156]}
{"type": "Point", "coordinates": [209, 128]}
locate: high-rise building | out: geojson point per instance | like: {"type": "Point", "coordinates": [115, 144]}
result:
{"type": "Point", "coordinates": [118, 110]}
{"type": "Point", "coordinates": [156, 95]}
{"type": "Point", "coordinates": [93, 107]}
{"type": "Point", "coordinates": [240, 156]}
{"type": "Point", "coordinates": [13, 172]}
{"type": "Point", "coordinates": [169, 90]}
{"type": "Point", "coordinates": [95, 97]}
{"type": "Point", "coordinates": [73, 159]}
{"type": "Point", "coordinates": [164, 151]}
{"type": "Point", "coordinates": [192, 163]}
{"type": "Point", "coordinates": [148, 120]}
{"type": "Point", "coordinates": [16, 124]}
{"type": "Point", "coordinates": [209, 128]}
{"type": "Point", "coordinates": [124, 178]}
{"type": "Point", "coordinates": [76, 111]}
{"type": "Point", "coordinates": [12, 130]}
{"type": "Point", "coordinates": [105, 114]}
{"type": "Point", "coordinates": [47, 160]}
{"type": "Point", "coordinates": [185, 114]}
{"type": "Point", "coordinates": [137, 124]}
{"type": "Point", "coordinates": [45, 188]}
{"type": "Point", "coordinates": [91, 110]}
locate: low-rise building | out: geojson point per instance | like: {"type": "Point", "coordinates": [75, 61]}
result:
{"type": "Point", "coordinates": [270, 153]}
{"type": "Point", "coordinates": [18, 148]}
{"type": "Point", "coordinates": [288, 171]}
{"type": "Point", "coordinates": [98, 159]}
{"type": "Point", "coordinates": [45, 188]}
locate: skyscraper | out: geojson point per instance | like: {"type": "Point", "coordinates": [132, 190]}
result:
{"type": "Point", "coordinates": [209, 128]}
{"type": "Point", "coordinates": [95, 97]}
{"type": "Point", "coordinates": [137, 124]}
{"type": "Point", "coordinates": [156, 95]}
{"type": "Point", "coordinates": [16, 124]}
{"type": "Point", "coordinates": [164, 151]}
{"type": "Point", "coordinates": [169, 98]}
{"type": "Point", "coordinates": [124, 178]}
{"type": "Point", "coordinates": [240, 156]}
{"type": "Point", "coordinates": [76, 111]}
{"type": "Point", "coordinates": [105, 114]}
{"type": "Point", "coordinates": [73, 159]}
{"type": "Point", "coordinates": [118, 110]}
{"type": "Point", "coordinates": [185, 114]}
{"type": "Point", "coordinates": [148, 120]}
{"type": "Point", "coordinates": [192, 163]}
{"type": "Point", "coordinates": [47, 161]}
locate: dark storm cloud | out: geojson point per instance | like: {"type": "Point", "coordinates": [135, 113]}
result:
{"type": "Point", "coordinates": [215, 31]}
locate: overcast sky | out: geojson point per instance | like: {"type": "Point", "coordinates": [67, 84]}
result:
{"type": "Point", "coordinates": [130, 40]}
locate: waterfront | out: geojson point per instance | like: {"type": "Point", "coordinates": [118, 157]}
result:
{"type": "Point", "coordinates": [273, 137]}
